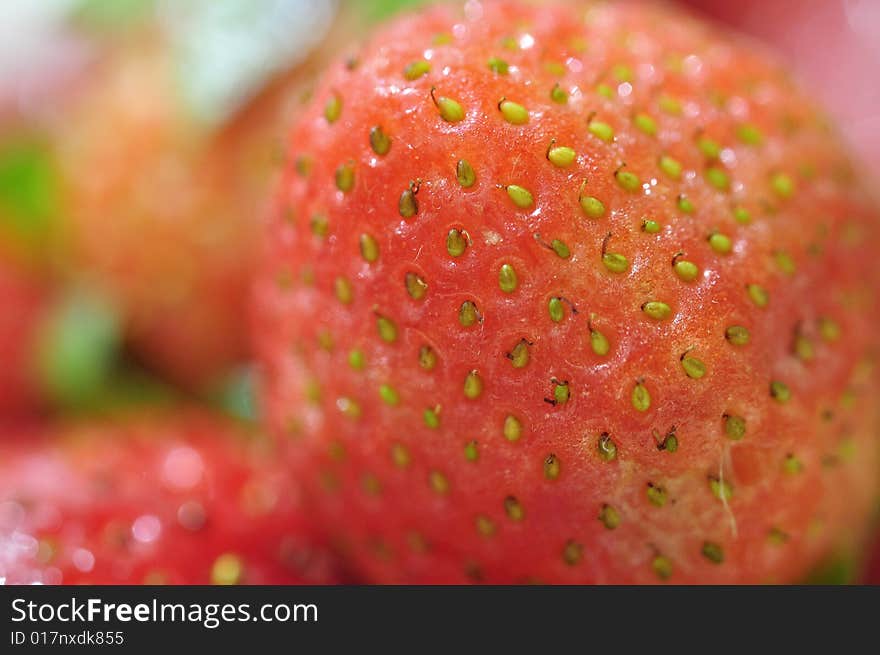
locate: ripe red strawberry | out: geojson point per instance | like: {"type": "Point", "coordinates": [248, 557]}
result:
{"type": "Point", "coordinates": [24, 303]}
{"type": "Point", "coordinates": [180, 500]}
{"type": "Point", "coordinates": [573, 295]}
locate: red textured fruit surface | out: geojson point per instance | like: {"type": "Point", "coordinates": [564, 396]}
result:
{"type": "Point", "coordinates": [24, 302]}
{"type": "Point", "coordinates": [148, 217]}
{"type": "Point", "coordinates": [620, 330]}
{"type": "Point", "coordinates": [188, 499]}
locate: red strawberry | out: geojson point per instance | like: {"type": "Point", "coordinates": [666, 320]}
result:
{"type": "Point", "coordinates": [163, 207]}
{"type": "Point", "coordinates": [24, 303]}
{"type": "Point", "coordinates": [574, 296]}
{"type": "Point", "coordinates": [185, 500]}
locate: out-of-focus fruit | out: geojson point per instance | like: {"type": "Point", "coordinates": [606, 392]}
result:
{"type": "Point", "coordinates": [186, 499]}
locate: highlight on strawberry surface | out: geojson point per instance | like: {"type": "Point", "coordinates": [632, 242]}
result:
{"type": "Point", "coordinates": [462, 291]}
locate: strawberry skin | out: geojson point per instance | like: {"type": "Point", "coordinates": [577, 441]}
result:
{"type": "Point", "coordinates": [186, 499]}
{"type": "Point", "coordinates": [575, 296]}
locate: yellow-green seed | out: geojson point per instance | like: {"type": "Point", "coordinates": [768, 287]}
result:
{"type": "Point", "coordinates": [389, 394]}
{"type": "Point", "coordinates": [325, 340]}
{"type": "Point", "coordinates": [829, 329]}
{"type": "Point", "coordinates": [427, 358]}
{"type": "Point", "coordinates": [656, 495]}
{"type": "Point", "coordinates": [749, 134]}
{"type": "Point", "coordinates": [662, 567]}
{"type": "Point", "coordinates": [472, 451]}
{"type": "Point", "coordinates": [686, 270]}
{"type": "Point", "coordinates": [554, 68]}
{"type": "Point", "coordinates": [645, 123]}
{"type": "Point", "coordinates": [742, 215]}
{"type": "Point", "coordinates": [718, 178]}
{"type": "Point", "coordinates": [606, 447]}
{"type": "Point", "coordinates": [552, 467]}
{"type": "Point", "coordinates": [602, 131]}
{"type": "Point", "coordinates": [431, 417]}
{"type": "Point", "coordinates": [507, 278]}
{"type": "Point", "coordinates": [670, 167]}
{"type": "Point", "coordinates": [758, 295]}
{"type": "Point", "coordinates": [780, 392]}
{"type": "Point", "coordinates": [641, 398]}
{"type": "Point", "coordinates": [627, 181]}
{"type": "Point", "coordinates": [521, 197]}
{"type": "Point", "coordinates": [498, 65]}
{"type": "Point", "coordinates": [344, 292]}
{"type": "Point", "coordinates": [693, 367]}
{"type": "Point", "coordinates": [450, 110]}
{"type": "Point", "coordinates": [379, 141]}
{"type": "Point", "coordinates": [791, 465]}
{"type": "Point", "coordinates": [345, 177]}
{"type": "Point", "coordinates": [737, 335]}
{"type": "Point", "coordinates": [713, 552]}
{"type": "Point", "coordinates": [349, 408]}
{"type": "Point", "coordinates": [439, 483]}
{"type": "Point", "coordinates": [519, 356]}
{"type": "Point", "coordinates": [622, 73]}
{"type": "Point", "coordinates": [513, 113]}
{"type": "Point", "coordinates": [408, 205]}
{"type": "Point", "coordinates": [465, 174]}
{"type": "Point", "coordinates": [609, 516]}
{"type": "Point", "coordinates": [777, 537]}
{"type": "Point", "coordinates": [556, 309]}
{"type": "Point", "coordinates": [782, 185]}
{"type": "Point", "coordinates": [416, 69]}
{"type": "Point", "coordinates": [561, 393]}
{"type": "Point", "coordinates": [467, 314]}
{"type": "Point", "coordinates": [456, 242]}
{"type": "Point", "coordinates": [416, 287]}
{"type": "Point", "coordinates": [803, 348]}
{"type": "Point", "coordinates": [593, 207]}
{"type": "Point", "coordinates": [485, 526]}
{"type": "Point", "coordinates": [320, 225]}
{"type": "Point", "coordinates": [721, 489]}
{"type": "Point", "coordinates": [387, 329]}
{"type": "Point", "coordinates": [720, 243]}
{"type": "Point", "coordinates": [784, 262]}
{"type": "Point", "coordinates": [303, 165]}
{"type": "Point", "coordinates": [685, 205]}
{"type": "Point", "coordinates": [560, 248]}
{"type": "Point", "coordinates": [670, 105]}
{"type": "Point", "coordinates": [558, 94]}
{"type": "Point", "coordinates": [561, 156]}
{"type": "Point", "coordinates": [400, 456]}
{"type": "Point", "coordinates": [657, 310]}
{"type": "Point", "coordinates": [709, 148]}
{"type": "Point", "coordinates": [227, 569]}
{"type": "Point", "coordinates": [651, 227]}
{"type": "Point", "coordinates": [615, 262]}
{"type": "Point", "coordinates": [473, 385]}
{"type": "Point", "coordinates": [369, 248]}
{"type": "Point", "coordinates": [513, 509]}
{"type": "Point", "coordinates": [357, 360]}
{"type": "Point", "coordinates": [734, 427]}
{"type": "Point", "coordinates": [333, 108]}
{"type": "Point", "coordinates": [512, 429]}
{"type": "Point", "coordinates": [573, 553]}
{"type": "Point", "coordinates": [605, 91]}
{"type": "Point", "coordinates": [599, 342]}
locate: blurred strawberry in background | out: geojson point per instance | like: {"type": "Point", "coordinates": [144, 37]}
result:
{"type": "Point", "coordinates": [186, 498]}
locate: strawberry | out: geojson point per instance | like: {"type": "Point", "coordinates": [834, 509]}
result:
{"type": "Point", "coordinates": [575, 295]}
{"type": "Point", "coordinates": [25, 303]}
{"type": "Point", "coordinates": [162, 194]}
{"type": "Point", "coordinates": [185, 499]}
